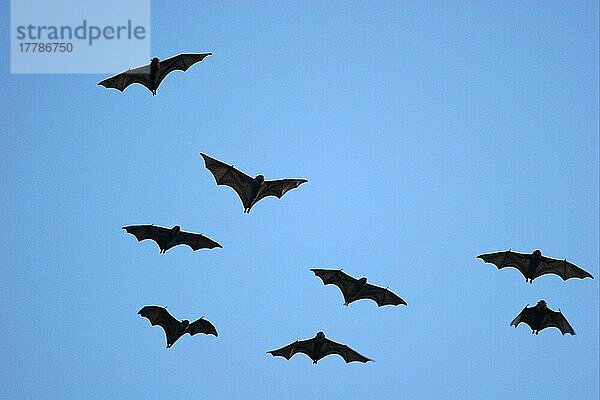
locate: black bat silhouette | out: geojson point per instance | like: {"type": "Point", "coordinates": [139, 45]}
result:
{"type": "Point", "coordinates": [535, 265]}
{"type": "Point", "coordinates": [355, 289]}
{"type": "Point", "coordinates": [167, 238]}
{"type": "Point", "coordinates": [151, 75]}
{"type": "Point", "coordinates": [317, 348]}
{"type": "Point", "coordinates": [174, 329]}
{"type": "Point", "coordinates": [540, 317]}
{"type": "Point", "coordinates": [250, 190]}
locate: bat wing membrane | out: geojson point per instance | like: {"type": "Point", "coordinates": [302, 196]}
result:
{"type": "Point", "coordinates": [562, 268]}
{"type": "Point", "coordinates": [160, 316]}
{"type": "Point", "coordinates": [202, 326]}
{"type": "Point", "coordinates": [381, 295]}
{"type": "Point", "coordinates": [349, 355]}
{"type": "Point", "coordinates": [227, 175]}
{"type": "Point", "coordinates": [337, 277]}
{"type": "Point", "coordinates": [526, 316]}
{"type": "Point", "coordinates": [196, 241]}
{"type": "Point", "coordinates": [505, 259]}
{"type": "Point", "coordinates": [157, 233]}
{"type": "Point", "coordinates": [120, 82]}
{"type": "Point", "coordinates": [299, 346]}
{"type": "Point", "coordinates": [179, 62]}
{"type": "Point", "coordinates": [278, 188]}
{"type": "Point", "coordinates": [556, 319]}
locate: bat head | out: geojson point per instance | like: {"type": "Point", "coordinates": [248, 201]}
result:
{"type": "Point", "coordinates": [537, 253]}
{"type": "Point", "coordinates": [176, 229]}
{"type": "Point", "coordinates": [185, 323]}
{"type": "Point", "coordinates": [542, 304]}
{"type": "Point", "coordinates": [259, 178]}
{"type": "Point", "coordinates": [155, 60]}
{"type": "Point", "coordinates": [362, 281]}
{"type": "Point", "coordinates": [320, 335]}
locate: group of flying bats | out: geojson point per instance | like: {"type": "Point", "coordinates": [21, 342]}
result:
{"type": "Point", "coordinates": [251, 190]}
{"type": "Point", "coordinates": [533, 266]}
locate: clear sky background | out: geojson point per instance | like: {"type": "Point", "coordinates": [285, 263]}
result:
{"type": "Point", "coordinates": [429, 132]}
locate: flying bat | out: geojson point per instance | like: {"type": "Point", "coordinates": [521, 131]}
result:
{"type": "Point", "coordinates": [535, 265]}
{"type": "Point", "coordinates": [540, 317]}
{"type": "Point", "coordinates": [250, 190]}
{"type": "Point", "coordinates": [174, 329]}
{"type": "Point", "coordinates": [317, 348]}
{"type": "Point", "coordinates": [355, 289]}
{"type": "Point", "coordinates": [167, 238]}
{"type": "Point", "coordinates": [151, 75]}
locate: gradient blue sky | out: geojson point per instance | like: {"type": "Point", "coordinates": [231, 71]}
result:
{"type": "Point", "coordinates": [430, 133]}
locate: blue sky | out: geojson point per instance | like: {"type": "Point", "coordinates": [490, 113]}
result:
{"type": "Point", "coordinates": [429, 132]}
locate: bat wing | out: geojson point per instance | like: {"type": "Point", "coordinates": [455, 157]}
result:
{"type": "Point", "coordinates": [180, 62]}
{"type": "Point", "coordinates": [556, 319]}
{"type": "Point", "coordinates": [120, 82]}
{"type": "Point", "coordinates": [337, 277]}
{"type": "Point", "coordinates": [162, 236]}
{"type": "Point", "coordinates": [526, 316]}
{"type": "Point", "coordinates": [202, 326]}
{"type": "Point", "coordinates": [562, 268]}
{"type": "Point", "coordinates": [349, 355]}
{"type": "Point", "coordinates": [509, 258]}
{"type": "Point", "coordinates": [299, 346]}
{"type": "Point", "coordinates": [278, 187]}
{"type": "Point", "coordinates": [196, 241]}
{"type": "Point", "coordinates": [229, 176]}
{"type": "Point", "coordinates": [381, 295]}
{"type": "Point", "coordinates": [160, 316]}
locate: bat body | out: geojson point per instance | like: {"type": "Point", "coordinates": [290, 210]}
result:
{"type": "Point", "coordinates": [167, 238]}
{"type": "Point", "coordinates": [535, 265]}
{"type": "Point", "coordinates": [540, 317]}
{"type": "Point", "coordinates": [317, 348]}
{"type": "Point", "coordinates": [174, 329]}
{"type": "Point", "coordinates": [250, 190]}
{"type": "Point", "coordinates": [151, 75]}
{"type": "Point", "coordinates": [355, 289]}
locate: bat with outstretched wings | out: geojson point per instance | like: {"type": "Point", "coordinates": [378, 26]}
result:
{"type": "Point", "coordinates": [317, 348]}
{"type": "Point", "coordinates": [535, 265]}
{"type": "Point", "coordinates": [167, 238]}
{"type": "Point", "coordinates": [151, 75]}
{"type": "Point", "coordinates": [174, 329]}
{"type": "Point", "coordinates": [540, 317]}
{"type": "Point", "coordinates": [250, 190]}
{"type": "Point", "coordinates": [355, 289]}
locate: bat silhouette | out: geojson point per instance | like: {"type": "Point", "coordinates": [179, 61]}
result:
{"type": "Point", "coordinates": [167, 238]}
{"type": "Point", "coordinates": [151, 75]}
{"type": "Point", "coordinates": [174, 329]}
{"type": "Point", "coordinates": [317, 348]}
{"type": "Point", "coordinates": [535, 265]}
{"type": "Point", "coordinates": [355, 289]}
{"type": "Point", "coordinates": [540, 317]}
{"type": "Point", "coordinates": [250, 190]}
